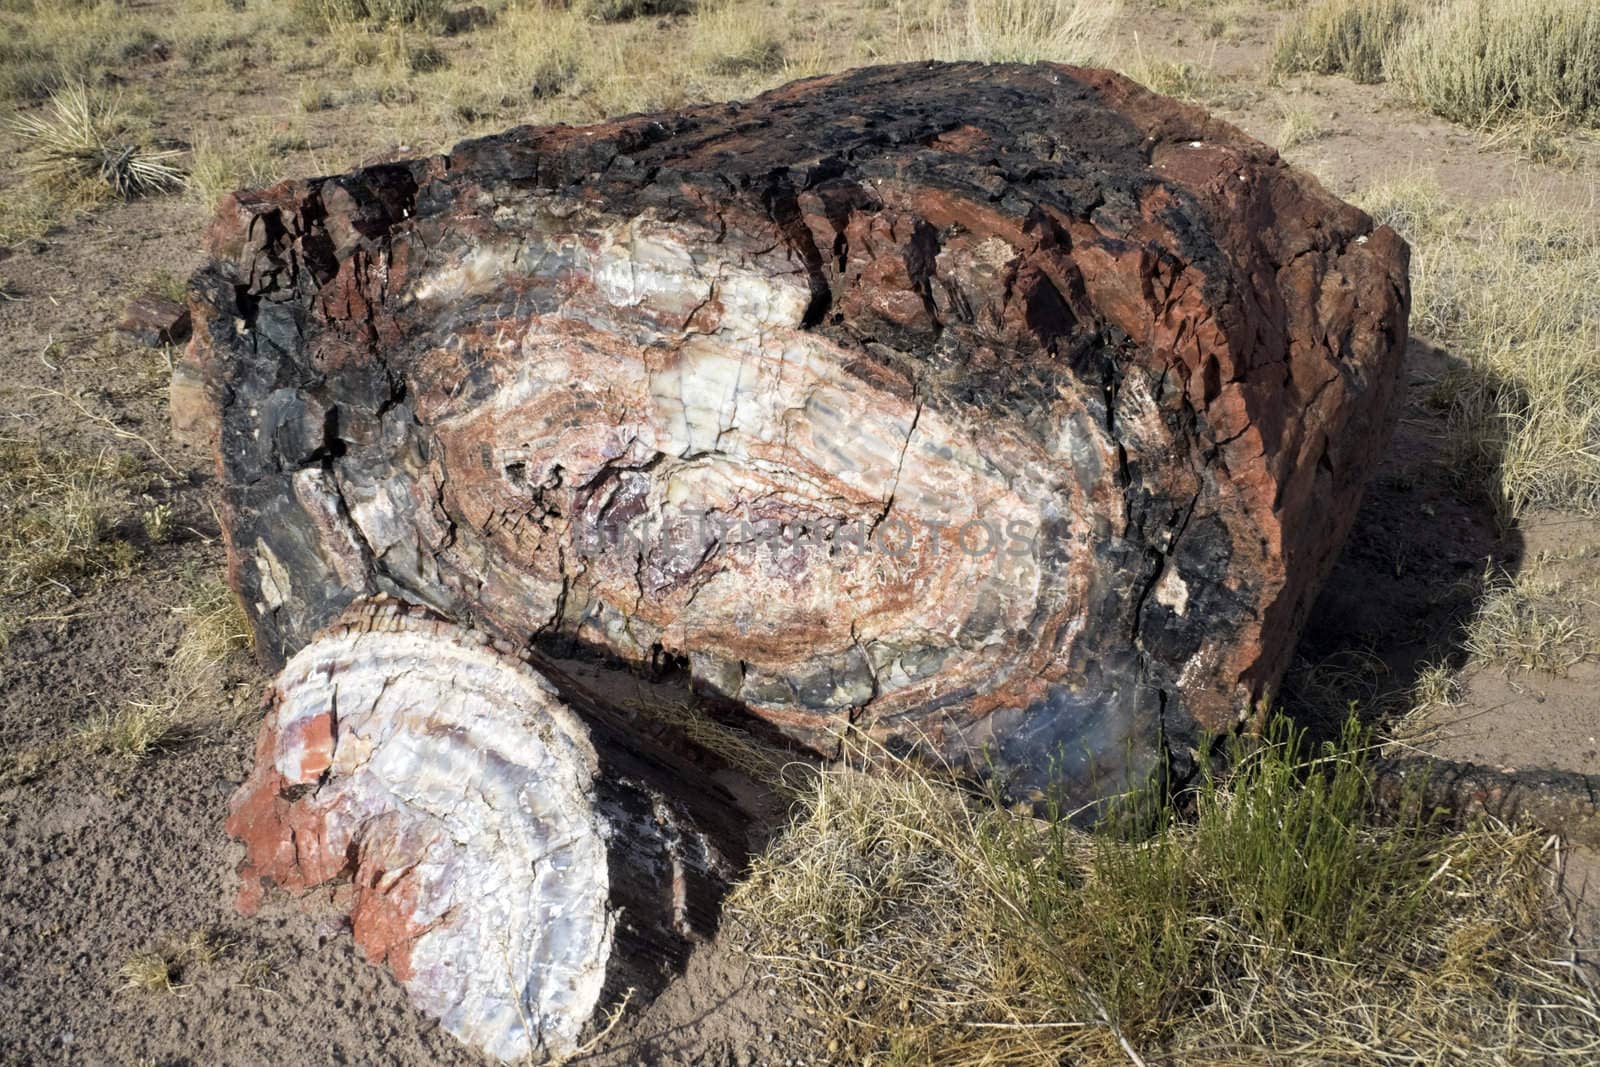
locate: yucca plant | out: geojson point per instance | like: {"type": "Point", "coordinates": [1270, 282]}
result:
{"type": "Point", "coordinates": [84, 136]}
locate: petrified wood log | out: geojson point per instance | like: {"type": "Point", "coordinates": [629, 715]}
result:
{"type": "Point", "coordinates": [1013, 413]}
{"type": "Point", "coordinates": [1455, 793]}
{"type": "Point", "coordinates": [515, 889]}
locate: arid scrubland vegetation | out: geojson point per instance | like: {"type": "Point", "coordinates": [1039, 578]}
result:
{"type": "Point", "coordinates": [1271, 912]}
{"type": "Point", "coordinates": [928, 927]}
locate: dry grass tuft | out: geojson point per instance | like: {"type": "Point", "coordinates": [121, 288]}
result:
{"type": "Point", "coordinates": [623, 10]}
{"type": "Point", "coordinates": [165, 968]}
{"type": "Point", "coordinates": [1436, 686]}
{"type": "Point", "coordinates": [1177, 78]}
{"type": "Point", "coordinates": [761, 762]}
{"type": "Point", "coordinates": [133, 734]}
{"type": "Point", "coordinates": [46, 45]}
{"type": "Point", "coordinates": [341, 13]}
{"type": "Point", "coordinates": [27, 211]}
{"type": "Point", "coordinates": [1477, 62]}
{"type": "Point", "coordinates": [1513, 289]}
{"type": "Point", "coordinates": [923, 927]}
{"type": "Point", "coordinates": [1026, 31]}
{"type": "Point", "coordinates": [149, 972]}
{"type": "Point", "coordinates": [215, 628]}
{"type": "Point", "coordinates": [1530, 620]}
{"type": "Point", "coordinates": [231, 160]}
{"type": "Point", "coordinates": [409, 51]}
{"type": "Point", "coordinates": [1481, 61]}
{"type": "Point", "coordinates": [57, 511]}
{"type": "Point", "coordinates": [1184, 79]}
{"type": "Point", "coordinates": [1349, 37]}
{"type": "Point", "coordinates": [1300, 127]}
{"type": "Point", "coordinates": [534, 53]}
{"type": "Point", "coordinates": [733, 39]}
{"type": "Point", "coordinates": [86, 137]}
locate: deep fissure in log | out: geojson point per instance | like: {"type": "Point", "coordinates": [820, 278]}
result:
{"type": "Point", "coordinates": [905, 298]}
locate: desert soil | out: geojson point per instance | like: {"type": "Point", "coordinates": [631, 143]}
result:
{"type": "Point", "coordinates": [102, 858]}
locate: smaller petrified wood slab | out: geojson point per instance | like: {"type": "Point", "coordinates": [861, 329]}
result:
{"type": "Point", "coordinates": [457, 791]}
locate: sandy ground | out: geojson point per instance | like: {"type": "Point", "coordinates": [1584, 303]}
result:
{"type": "Point", "coordinates": [100, 858]}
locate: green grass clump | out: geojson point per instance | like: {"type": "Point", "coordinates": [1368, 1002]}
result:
{"type": "Point", "coordinates": [1349, 37]}
{"type": "Point", "coordinates": [1481, 61]}
{"type": "Point", "coordinates": [1282, 918]}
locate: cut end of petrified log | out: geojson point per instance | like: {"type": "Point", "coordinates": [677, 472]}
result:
{"type": "Point", "coordinates": [452, 786]}
{"type": "Point", "coordinates": [1097, 379]}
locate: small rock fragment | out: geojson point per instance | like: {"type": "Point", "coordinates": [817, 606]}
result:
{"type": "Point", "coordinates": [155, 321]}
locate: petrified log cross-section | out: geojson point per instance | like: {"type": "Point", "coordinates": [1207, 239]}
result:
{"type": "Point", "coordinates": [513, 888]}
{"type": "Point", "coordinates": [1097, 381]}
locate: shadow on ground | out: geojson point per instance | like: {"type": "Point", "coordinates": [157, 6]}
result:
{"type": "Point", "coordinates": [1411, 574]}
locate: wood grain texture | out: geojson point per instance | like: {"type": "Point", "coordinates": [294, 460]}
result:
{"type": "Point", "coordinates": [641, 391]}
{"type": "Point", "coordinates": [515, 890]}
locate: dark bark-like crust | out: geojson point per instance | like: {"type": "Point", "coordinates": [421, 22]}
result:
{"type": "Point", "coordinates": [1560, 802]}
{"type": "Point", "coordinates": [923, 294]}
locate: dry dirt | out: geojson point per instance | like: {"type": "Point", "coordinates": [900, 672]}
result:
{"type": "Point", "coordinates": [101, 858]}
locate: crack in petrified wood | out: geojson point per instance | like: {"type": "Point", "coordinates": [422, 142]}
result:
{"type": "Point", "coordinates": [1126, 338]}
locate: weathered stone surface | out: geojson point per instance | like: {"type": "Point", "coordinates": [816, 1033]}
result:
{"type": "Point", "coordinates": [155, 321]}
{"type": "Point", "coordinates": [1450, 792]}
{"type": "Point", "coordinates": [513, 893]}
{"type": "Point", "coordinates": [1127, 346]}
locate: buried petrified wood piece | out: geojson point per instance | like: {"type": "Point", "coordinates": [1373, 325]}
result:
{"type": "Point", "coordinates": [1559, 802]}
{"type": "Point", "coordinates": [1015, 412]}
{"type": "Point", "coordinates": [488, 858]}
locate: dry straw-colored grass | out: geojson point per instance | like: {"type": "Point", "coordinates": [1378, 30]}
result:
{"type": "Point", "coordinates": [231, 158]}
{"type": "Point", "coordinates": [167, 966]}
{"type": "Point", "coordinates": [1513, 290]}
{"type": "Point", "coordinates": [48, 44]}
{"type": "Point", "coordinates": [1532, 620]}
{"type": "Point", "coordinates": [1300, 127]}
{"type": "Point", "coordinates": [1024, 31]}
{"type": "Point", "coordinates": [86, 137]}
{"type": "Point", "coordinates": [624, 10]}
{"type": "Point", "coordinates": [215, 627]}
{"type": "Point", "coordinates": [1184, 79]}
{"type": "Point", "coordinates": [1283, 922]}
{"type": "Point", "coordinates": [1349, 37]}
{"type": "Point", "coordinates": [57, 511]}
{"type": "Point", "coordinates": [149, 971]}
{"type": "Point", "coordinates": [1478, 61]}
{"type": "Point", "coordinates": [342, 13]}
{"type": "Point", "coordinates": [733, 39]}
{"type": "Point", "coordinates": [133, 733]}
